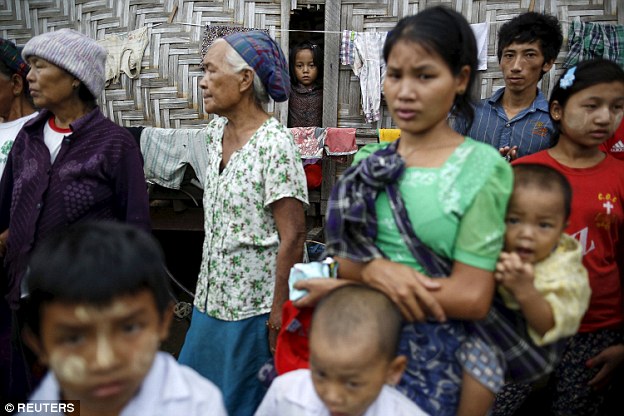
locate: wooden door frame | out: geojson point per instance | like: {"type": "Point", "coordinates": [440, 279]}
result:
{"type": "Point", "coordinates": [331, 63]}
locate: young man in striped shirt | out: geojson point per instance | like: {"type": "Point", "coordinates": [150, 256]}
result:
{"type": "Point", "coordinates": [515, 119]}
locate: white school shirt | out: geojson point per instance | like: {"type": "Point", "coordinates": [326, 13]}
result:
{"type": "Point", "coordinates": [168, 389]}
{"type": "Point", "coordinates": [8, 133]}
{"type": "Point", "coordinates": [293, 394]}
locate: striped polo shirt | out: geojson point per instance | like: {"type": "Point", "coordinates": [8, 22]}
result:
{"type": "Point", "coordinates": [531, 129]}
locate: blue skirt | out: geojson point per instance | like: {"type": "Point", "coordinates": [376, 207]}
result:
{"type": "Point", "coordinates": [432, 378]}
{"type": "Point", "coordinates": [230, 354]}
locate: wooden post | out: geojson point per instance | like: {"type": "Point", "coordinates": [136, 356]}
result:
{"type": "Point", "coordinates": [331, 63]}
{"type": "Point", "coordinates": [282, 108]}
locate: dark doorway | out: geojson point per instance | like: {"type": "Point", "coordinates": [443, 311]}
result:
{"type": "Point", "coordinates": [306, 41]}
{"type": "Point", "coordinates": [307, 17]}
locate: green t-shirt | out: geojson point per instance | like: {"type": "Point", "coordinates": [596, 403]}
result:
{"type": "Point", "coordinates": [457, 209]}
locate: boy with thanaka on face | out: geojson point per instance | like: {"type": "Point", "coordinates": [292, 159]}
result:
{"type": "Point", "coordinates": [97, 309]}
{"type": "Point", "coordinates": [353, 361]}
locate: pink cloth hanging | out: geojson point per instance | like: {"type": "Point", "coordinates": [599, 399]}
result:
{"type": "Point", "coordinates": [340, 141]}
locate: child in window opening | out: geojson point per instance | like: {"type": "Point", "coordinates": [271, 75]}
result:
{"type": "Point", "coordinates": [305, 106]}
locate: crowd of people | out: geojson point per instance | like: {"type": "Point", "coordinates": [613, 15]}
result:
{"type": "Point", "coordinates": [479, 255]}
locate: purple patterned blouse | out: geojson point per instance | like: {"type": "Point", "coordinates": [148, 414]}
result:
{"type": "Point", "coordinates": [97, 175]}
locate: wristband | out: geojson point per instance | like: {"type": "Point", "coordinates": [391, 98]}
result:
{"type": "Point", "coordinates": [272, 327]}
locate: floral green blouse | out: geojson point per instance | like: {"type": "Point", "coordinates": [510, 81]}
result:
{"type": "Point", "coordinates": [237, 274]}
{"type": "Point", "coordinates": [457, 209]}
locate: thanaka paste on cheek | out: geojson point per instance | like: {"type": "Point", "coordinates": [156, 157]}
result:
{"type": "Point", "coordinates": [575, 120]}
{"type": "Point", "coordinates": [144, 357]}
{"type": "Point", "coordinates": [617, 121]}
{"type": "Point", "coordinates": [68, 368]}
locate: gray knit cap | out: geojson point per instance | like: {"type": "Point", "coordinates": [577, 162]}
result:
{"type": "Point", "coordinates": [76, 53]}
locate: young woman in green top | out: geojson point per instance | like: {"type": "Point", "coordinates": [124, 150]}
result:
{"type": "Point", "coordinates": [454, 191]}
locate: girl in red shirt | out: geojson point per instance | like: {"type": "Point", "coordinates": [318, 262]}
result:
{"type": "Point", "coordinates": [587, 105]}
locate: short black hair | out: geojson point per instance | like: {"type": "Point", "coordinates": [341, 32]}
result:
{"type": "Point", "coordinates": [86, 96]}
{"type": "Point", "coordinates": [4, 69]}
{"type": "Point", "coordinates": [446, 33]}
{"type": "Point", "coordinates": [94, 262]}
{"type": "Point", "coordinates": [8, 72]}
{"type": "Point", "coordinates": [586, 74]}
{"type": "Point", "coordinates": [545, 178]}
{"type": "Point", "coordinates": [532, 27]}
{"type": "Point", "coordinates": [359, 311]}
{"type": "Point", "coordinates": [317, 58]}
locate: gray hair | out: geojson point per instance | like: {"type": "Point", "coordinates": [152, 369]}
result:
{"type": "Point", "coordinates": [238, 64]}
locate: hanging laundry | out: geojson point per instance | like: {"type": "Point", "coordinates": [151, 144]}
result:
{"type": "Point", "coordinates": [314, 174]}
{"type": "Point", "coordinates": [588, 40]}
{"type": "Point", "coordinates": [167, 152]}
{"type": "Point", "coordinates": [481, 32]}
{"type": "Point", "coordinates": [340, 141]}
{"type": "Point", "coordinates": [347, 45]}
{"type": "Point", "coordinates": [370, 68]}
{"type": "Point", "coordinates": [388, 135]}
{"type": "Point", "coordinates": [212, 33]}
{"type": "Point", "coordinates": [124, 54]}
{"type": "Point", "coordinates": [309, 141]}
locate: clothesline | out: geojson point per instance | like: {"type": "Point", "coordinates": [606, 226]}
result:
{"type": "Point", "coordinates": [277, 30]}
{"type": "Point", "coordinates": [338, 32]}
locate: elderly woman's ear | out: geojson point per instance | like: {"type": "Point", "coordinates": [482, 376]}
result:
{"type": "Point", "coordinates": [247, 78]}
{"type": "Point", "coordinates": [18, 85]}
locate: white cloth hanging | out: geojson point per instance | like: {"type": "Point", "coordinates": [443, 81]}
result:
{"type": "Point", "coordinates": [124, 53]}
{"type": "Point", "coordinates": [369, 67]}
{"type": "Point", "coordinates": [481, 32]}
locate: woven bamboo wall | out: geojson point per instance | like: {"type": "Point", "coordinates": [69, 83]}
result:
{"type": "Point", "coordinates": [167, 93]}
{"type": "Point", "coordinates": [377, 15]}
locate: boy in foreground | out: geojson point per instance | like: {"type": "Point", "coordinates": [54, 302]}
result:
{"type": "Point", "coordinates": [98, 307]}
{"type": "Point", "coordinates": [353, 344]}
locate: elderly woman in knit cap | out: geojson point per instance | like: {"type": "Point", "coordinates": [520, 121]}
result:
{"type": "Point", "coordinates": [70, 163]}
{"type": "Point", "coordinates": [254, 196]}
{"type": "Point", "coordinates": [67, 164]}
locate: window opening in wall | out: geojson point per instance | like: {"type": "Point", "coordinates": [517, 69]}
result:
{"type": "Point", "coordinates": [305, 107]}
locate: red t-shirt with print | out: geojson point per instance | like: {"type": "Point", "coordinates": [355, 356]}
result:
{"type": "Point", "coordinates": [615, 145]}
{"type": "Point", "coordinates": [597, 221]}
